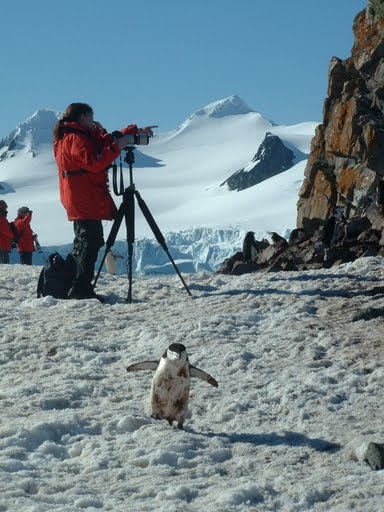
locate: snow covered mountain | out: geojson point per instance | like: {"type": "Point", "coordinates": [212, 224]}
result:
{"type": "Point", "coordinates": [178, 175]}
{"type": "Point", "coordinates": [34, 131]}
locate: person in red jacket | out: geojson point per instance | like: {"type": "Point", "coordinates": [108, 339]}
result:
{"type": "Point", "coordinates": [6, 234]}
{"type": "Point", "coordinates": [84, 151]}
{"type": "Point", "coordinates": [24, 238]}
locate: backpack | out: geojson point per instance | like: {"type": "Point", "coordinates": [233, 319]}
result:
{"type": "Point", "coordinates": [56, 276]}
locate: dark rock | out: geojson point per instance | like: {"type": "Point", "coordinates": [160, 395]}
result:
{"type": "Point", "coordinates": [272, 158]}
{"type": "Point", "coordinates": [355, 227]}
{"type": "Point", "coordinates": [375, 456]}
{"type": "Point", "coordinates": [297, 236]}
{"type": "Point", "coordinates": [228, 264]}
{"type": "Point", "coordinates": [240, 268]}
{"type": "Point", "coordinates": [368, 314]}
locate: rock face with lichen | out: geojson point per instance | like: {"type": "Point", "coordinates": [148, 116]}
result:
{"type": "Point", "coordinates": [375, 9]}
{"type": "Point", "coordinates": [346, 164]}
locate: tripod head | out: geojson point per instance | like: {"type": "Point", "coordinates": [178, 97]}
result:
{"type": "Point", "coordinates": [129, 155]}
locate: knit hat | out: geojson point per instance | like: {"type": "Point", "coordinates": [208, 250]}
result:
{"type": "Point", "coordinates": [24, 210]}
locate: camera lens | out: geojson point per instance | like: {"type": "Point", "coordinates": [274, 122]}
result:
{"type": "Point", "coordinates": [141, 139]}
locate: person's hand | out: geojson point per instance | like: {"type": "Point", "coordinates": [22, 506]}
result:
{"type": "Point", "coordinates": [99, 128]}
{"type": "Point", "coordinates": [148, 130]}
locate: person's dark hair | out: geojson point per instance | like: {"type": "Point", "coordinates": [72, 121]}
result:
{"type": "Point", "coordinates": [72, 114]}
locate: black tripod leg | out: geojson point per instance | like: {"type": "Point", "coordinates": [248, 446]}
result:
{"type": "Point", "coordinates": [129, 200]}
{"type": "Point", "coordinates": [159, 236]}
{"type": "Point", "coordinates": [111, 237]}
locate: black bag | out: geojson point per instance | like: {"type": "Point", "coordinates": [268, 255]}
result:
{"type": "Point", "coordinates": [56, 276]}
{"type": "Point", "coordinates": [16, 236]}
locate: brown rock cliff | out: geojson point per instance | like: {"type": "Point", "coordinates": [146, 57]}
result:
{"type": "Point", "coordinates": [346, 163]}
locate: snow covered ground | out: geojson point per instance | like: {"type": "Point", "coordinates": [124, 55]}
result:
{"type": "Point", "coordinates": [298, 358]}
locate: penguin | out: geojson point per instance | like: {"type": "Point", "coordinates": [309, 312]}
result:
{"type": "Point", "coordinates": [111, 262]}
{"type": "Point", "coordinates": [276, 238]}
{"type": "Point", "coordinates": [249, 247]}
{"type": "Point", "coordinates": [328, 231]}
{"type": "Point", "coordinates": [171, 383]}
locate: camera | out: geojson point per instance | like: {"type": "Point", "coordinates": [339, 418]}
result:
{"type": "Point", "coordinates": [140, 139]}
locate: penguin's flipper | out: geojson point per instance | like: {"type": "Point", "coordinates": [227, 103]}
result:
{"type": "Point", "coordinates": [202, 375]}
{"type": "Point", "coordinates": [143, 365]}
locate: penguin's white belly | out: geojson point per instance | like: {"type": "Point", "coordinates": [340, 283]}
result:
{"type": "Point", "coordinates": [110, 264]}
{"type": "Point", "coordinates": [170, 391]}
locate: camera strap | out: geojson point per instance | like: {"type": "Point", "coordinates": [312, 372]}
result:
{"type": "Point", "coordinates": [118, 188]}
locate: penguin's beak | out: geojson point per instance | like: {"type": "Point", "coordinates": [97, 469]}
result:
{"type": "Point", "coordinates": [173, 355]}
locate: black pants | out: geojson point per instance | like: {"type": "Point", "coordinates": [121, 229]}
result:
{"type": "Point", "coordinates": [4, 257]}
{"type": "Point", "coordinates": [25, 258]}
{"type": "Point", "coordinates": [86, 244]}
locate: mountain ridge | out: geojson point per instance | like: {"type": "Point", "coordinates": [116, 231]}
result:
{"type": "Point", "coordinates": [179, 174]}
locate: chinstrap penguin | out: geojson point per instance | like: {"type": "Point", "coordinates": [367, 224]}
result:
{"type": "Point", "coordinates": [249, 247]}
{"type": "Point", "coordinates": [171, 383]}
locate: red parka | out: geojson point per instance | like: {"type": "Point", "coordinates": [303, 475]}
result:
{"type": "Point", "coordinates": [24, 233]}
{"type": "Point", "coordinates": [82, 158]}
{"type": "Point", "coordinates": [6, 235]}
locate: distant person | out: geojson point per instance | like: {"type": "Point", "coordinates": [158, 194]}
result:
{"type": "Point", "coordinates": [6, 234]}
{"type": "Point", "coordinates": [84, 151]}
{"type": "Point", "coordinates": [25, 235]}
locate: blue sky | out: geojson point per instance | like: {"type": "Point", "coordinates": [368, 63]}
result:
{"type": "Point", "coordinates": [157, 62]}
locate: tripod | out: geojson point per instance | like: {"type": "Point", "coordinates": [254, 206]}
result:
{"type": "Point", "coordinates": [127, 211]}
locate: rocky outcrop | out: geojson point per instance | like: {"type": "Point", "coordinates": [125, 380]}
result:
{"type": "Point", "coordinates": [337, 241]}
{"type": "Point", "coordinates": [272, 158]}
{"type": "Point", "coordinates": [346, 164]}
